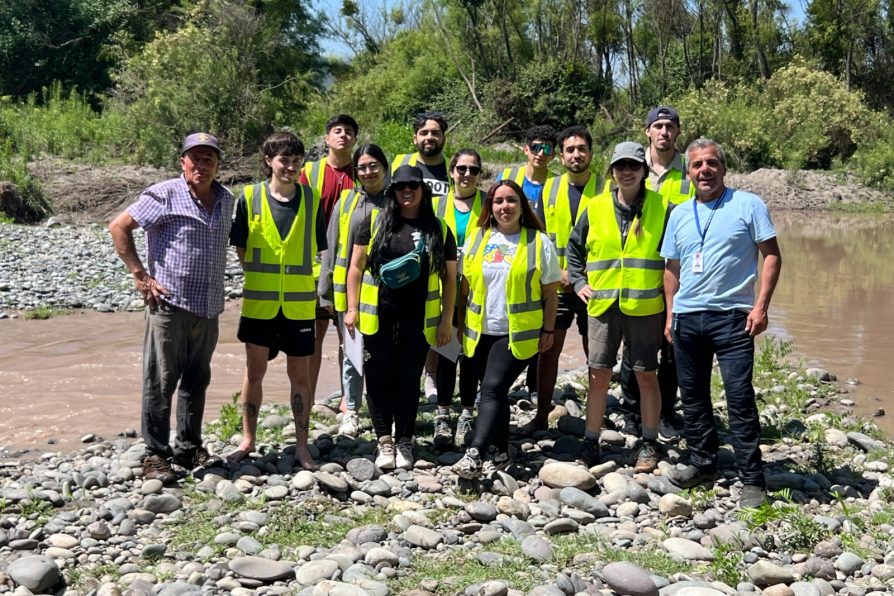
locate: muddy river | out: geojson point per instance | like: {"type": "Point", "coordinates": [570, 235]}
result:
{"type": "Point", "coordinates": [78, 374]}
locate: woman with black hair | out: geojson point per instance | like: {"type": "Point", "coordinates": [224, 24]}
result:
{"type": "Point", "coordinates": [507, 315]}
{"type": "Point", "coordinates": [401, 293]}
{"type": "Point", "coordinates": [353, 206]}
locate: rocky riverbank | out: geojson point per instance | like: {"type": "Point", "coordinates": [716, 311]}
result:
{"type": "Point", "coordinates": [87, 522]}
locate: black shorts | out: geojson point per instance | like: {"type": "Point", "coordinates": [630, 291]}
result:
{"type": "Point", "coordinates": [294, 338]}
{"type": "Point", "coordinates": [571, 307]}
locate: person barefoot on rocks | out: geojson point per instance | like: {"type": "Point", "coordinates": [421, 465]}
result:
{"type": "Point", "coordinates": [279, 228]}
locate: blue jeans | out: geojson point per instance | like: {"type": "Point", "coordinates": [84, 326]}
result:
{"type": "Point", "coordinates": [697, 338]}
{"type": "Point", "coordinates": [351, 379]}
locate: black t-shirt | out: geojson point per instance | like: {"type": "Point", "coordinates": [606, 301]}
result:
{"type": "Point", "coordinates": [283, 216]}
{"type": "Point", "coordinates": [435, 177]}
{"type": "Point", "coordinates": [407, 302]}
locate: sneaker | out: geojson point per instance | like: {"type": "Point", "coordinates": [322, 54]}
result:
{"type": "Point", "coordinates": [647, 458]}
{"type": "Point", "coordinates": [463, 428]}
{"type": "Point", "coordinates": [667, 431]}
{"type": "Point", "coordinates": [494, 461]}
{"type": "Point", "coordinates": [469, 467]}
{"type": "Point", "coordinates": [404, 459]}
{"type": "Point", "coordinates": [155, 467]}
{"type": "Point", "coordinates": [350, 424]}
{"type": "Point", "coordinates": [590, 452]}
{"type": "Point", "coordinates": [752, 497]}
{"type": "Point", "coordinates": [431, 389]}
{"type": "Point", "coordinates": [691, 475]}
{"type": "Point", "coordinates": [200, 458]}
{"type": "Point", "coordinates": [385, 459]}
{"type": "Point", "coordinates": [443, 436]}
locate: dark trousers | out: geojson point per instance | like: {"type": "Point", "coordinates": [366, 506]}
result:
{"type": "Point", "coordinates": [697, 338]}
{"type": "Point", "coordinates": [177, 349]}
{"type": "Point", "coordinates": [531, 375]}
{"type": "Point", "coordinates": [496, 367]}
{"type": "Point", "coordinates": [445, 381]}
{"type": "Point", "coordinates": [667, 380]}
{"type": "Point", "coordinates": [392, 372]}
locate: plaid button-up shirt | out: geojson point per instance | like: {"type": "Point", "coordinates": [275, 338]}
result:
{"type": "Point", "coordinates": [186, 246]}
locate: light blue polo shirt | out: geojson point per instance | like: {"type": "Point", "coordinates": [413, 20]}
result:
{"type": "Point", "coordinates": [739, 222]}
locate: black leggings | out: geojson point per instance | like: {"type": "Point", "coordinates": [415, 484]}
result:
{"type": "Point", "coordinates": [392, 371]}
{"type": "Point", "coordinates": [496, 367]}
{"type": "Point", "coordinates": [445, 381]}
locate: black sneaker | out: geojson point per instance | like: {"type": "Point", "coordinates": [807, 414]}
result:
{"type": "Point", "coordinates": [691, 475]}
{"type": "Point", "coordinates": [752, 497]}
{"type": "Point", "coordinates": [200, 458]}
{"type": "Point", "coordinates": [669, 430]}
{"type": "Point", "coordinates": [590, 452]}
{"type": "Point", "coordinates": [155, 467]}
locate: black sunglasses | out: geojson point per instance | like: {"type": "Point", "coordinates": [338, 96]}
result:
{"type": "Point", "coordinates": [627, 164]}
{"type": "Point", "coordinates": [470, 170]}
{"type": "Point", "coordinates": [414, 185]}
{"type": "Point", "coordinates": [538, 147]}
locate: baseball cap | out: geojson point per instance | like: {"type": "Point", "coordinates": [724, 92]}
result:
{"type": "Point", "coordinates": [200, 139]}
{"type": "Point", "coordinates": [663, 113]}
{"type": "Point", "coordinates": [407, 174]}
{"type": "Point", "coordinates": [628, 150]}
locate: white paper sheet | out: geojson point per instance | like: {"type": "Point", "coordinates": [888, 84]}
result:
{"type": "Point", "coordinates": [354, 348]}
{"type": "Point", "coordinates": [451, 349]}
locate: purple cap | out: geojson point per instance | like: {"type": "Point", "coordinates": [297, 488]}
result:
{"type": "Point", "coordinates": [663, 113]}
{"type": "Point", "coordinates": [200, 139]}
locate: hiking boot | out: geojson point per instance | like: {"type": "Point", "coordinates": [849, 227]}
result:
{"type": "Point", "coordinates": [443, 436]}
{"type": "Point", "coordinates": [752, 497]}
{"type": "Point", "coordinates": [200, 458]}
{"type": "Point", "coordinates": [668, 431]}
{"type": "Point", "coordinates": [590, 452]}
{"type": "Point", "coordinates": [155, 467]}
{"type": "Point", "coordinates": [647, 457]}
{"type": "Point", "coordinates": [691, 475]}
{"type": "Point", "coordinates": [494, 461]}
{"type": "Point", "coordinates": [385, 459]}
{"type": "Point", "coordinates": [350, 424]}
{"type": "Point", "coordinates": [469, 467]}
{"type": "Point", "coordinates": [464, 428]}
{"type": "Point", "coordinates": [404, 459]}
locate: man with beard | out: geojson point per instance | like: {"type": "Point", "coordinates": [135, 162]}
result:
{"type": "Point", "coordinates": [564, 201]}
{"type": "Point", "coordinates": [429, 134]}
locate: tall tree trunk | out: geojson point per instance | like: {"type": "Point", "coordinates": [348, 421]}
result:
{"type": "Point", "coordinates": [762, 64]}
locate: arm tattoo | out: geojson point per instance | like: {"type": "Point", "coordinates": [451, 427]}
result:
{"type": "Point", "coordinates": [298, 409]}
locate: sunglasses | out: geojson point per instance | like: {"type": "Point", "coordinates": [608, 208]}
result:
{"type": "Point", "coordinates": [372, 168]}
{"type": "Point", "coordinates": [627, 164]}
{"type": "Point", "coordinates": [399, 186]}
{"type": "Point", "coordinates": [538, 147]}
{"type": "Point", "coordinates": [470, 170]}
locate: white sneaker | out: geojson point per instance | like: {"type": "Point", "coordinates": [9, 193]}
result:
{"type": "Point", "coordinates": [385, 456]}
{"type": "Point", "coordinates": [404, 459]}
{"type": "Point", "coordinates": [350, 424]}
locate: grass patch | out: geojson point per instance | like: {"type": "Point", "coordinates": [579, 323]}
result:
{"type": "Point", "coordinates": [783, 523]}
{"type": "Point", "coordinates": [454, 570]}
{"type": "Point", "coordinates": [727, 565]}
{"type": "Point", "coordinates": [295, 524]}
{"type": "Point", "coordinates": [42, 313]}
{"type": "Point", "coordinates": [79, 575]}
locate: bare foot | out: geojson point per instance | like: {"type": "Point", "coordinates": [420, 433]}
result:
{"type": "Point", "coordinates": [240, 452]}
{"type": "Point", "coordinates": [302, 455]}
{"type": "Point", "coordinates": [343, 405]}
{"type": "Point", "coordinates": [526, 430]}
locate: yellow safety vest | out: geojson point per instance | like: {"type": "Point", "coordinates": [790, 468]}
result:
{"type": "Point", "coordinates": [557, 210]}
{"type": "Point", "coordinates": [369, 296]}
{"type": "Point", "coordinates": [279, 272]}
{"type": "Point", "coordinates": [444, 210]}
{"type": "Point", "coordinates": [631, 275]}
{"type": "Point", "coordinates": [524, 295]}
{"type": "Point", "coordinates": [676, 187]}
{"type": "Point", "coordinates": [517, 175]}
{"type": "Point", "coordinates": [315, 172]}
{"type": "Point", "coordinates": [348, 203]}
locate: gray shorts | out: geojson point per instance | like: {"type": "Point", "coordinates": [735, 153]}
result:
{"type": "Point", "coordinates": [642, 335]}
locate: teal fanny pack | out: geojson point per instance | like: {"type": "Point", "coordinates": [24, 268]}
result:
{"type": "Point", "coordinates": [403, 270]}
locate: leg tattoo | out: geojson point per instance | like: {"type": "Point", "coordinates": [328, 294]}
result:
{"type": "Point", "coordinates": [298, 409]}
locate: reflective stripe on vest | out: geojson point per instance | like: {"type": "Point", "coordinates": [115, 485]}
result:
{"type": "Point", "coordinates": [631, 275]}
{"type": "Point", "coordinates": [443, 211]}
{"type": "Point", "coordinates": [557, 210]}
{"type": "Point", "coordinates": [369, 296]}
{"type": "Point", "coordinates": [404, 159]}
{"type": "Point", "coordinates": [516, 174]}
{"type": "Point", "coordinates": [315, 171]}
{"type": "Point", "coordinates": [349, 201]}
{"type": "Point", "coordinates": [279, 271]}
{"type": "Point", "coordinates": [524, 294]}
{"type": "Point", "coordinates": [676, 187]}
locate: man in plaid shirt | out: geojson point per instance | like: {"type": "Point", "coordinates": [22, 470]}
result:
{"type": "Point", "coordinates": [187, 223]}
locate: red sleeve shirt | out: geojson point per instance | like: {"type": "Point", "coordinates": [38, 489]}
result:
{"type": "Point", "coordinates": [334, 181]}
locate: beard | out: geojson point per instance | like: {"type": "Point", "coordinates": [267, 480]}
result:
{"type": "Point", "coordinates": [578, 168]}
{"type": "Point", "coordinates": [429, 150]}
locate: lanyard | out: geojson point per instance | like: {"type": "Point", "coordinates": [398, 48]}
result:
{"type": "Point", "coordinates": [698, 226]}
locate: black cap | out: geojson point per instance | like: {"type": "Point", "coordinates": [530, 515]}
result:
{"type": "Point", "coordinates": [405, 174]}
{"type": "Point", "coordinates": [663, 113]}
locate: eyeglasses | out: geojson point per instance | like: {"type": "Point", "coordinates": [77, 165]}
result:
{"type": "Point", "coordinates": [627, 164]}
{"type": "Point", "coordinates": [372, 168]}
{"type": "Point", "coordinates": [538, 147]}
{"type": "Point", "coordinates": [470, 170]}
{"type": "Point", "coordinates": [399, 186]}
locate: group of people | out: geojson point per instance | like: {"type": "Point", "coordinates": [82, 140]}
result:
{"type": "Point", "coordinates": [657, 255]}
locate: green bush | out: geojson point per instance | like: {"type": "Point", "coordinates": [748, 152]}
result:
{"type": "Point", "coordinates": [13, 168]}
{"type": "Point", "coordinates": [873, 162]}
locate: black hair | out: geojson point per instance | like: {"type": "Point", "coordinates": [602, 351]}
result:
{"type": "Point", "coordinates": [280, 143]}
{"type": "Point", "coordinates": [544, 132]}
{"type": "Point", "coordinates": [372, 150]}
{"type": "Point", "coordinates": [462, 152]}
{"type": "Point", "coordinates": [424, 117]}
{"type": "Point", "coordinates": [389, 221]}
{"type": "Point", "coordinates": [577, 130]}
{"type": "Point", "coordinates": [528, 217]}
{"type": "Point", "coordinates": [344, 120]}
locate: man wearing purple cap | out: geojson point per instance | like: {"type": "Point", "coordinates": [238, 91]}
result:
{"type": "Point", "coordinates": [187, 223]}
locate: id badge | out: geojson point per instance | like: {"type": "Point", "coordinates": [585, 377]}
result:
{"type": "Point", "coordinates": [698, 265]}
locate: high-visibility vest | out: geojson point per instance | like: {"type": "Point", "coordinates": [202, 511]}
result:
{"type": "Point", "coordinates": [315, 171]}
{"type": "Point", "coordinates": [404, 159]}
{"type": "Point", "coordinates": [557, 210]}
{"type": "Point", "coordinates": [524, 295]}
{"type": "Point", "coordinates": [676, 187]}
{"type": "Point", "coordinates": [279, 271]}
{"type": "Point", "coordinates": [348, 203]}
{"type": "Point", "coordinates": [369, 296]}
{"type": "Point", "coordinates": [444, 209]}
{"type": "Point", "coordinates": [517, 175]}
{"type": "Point", "coordinates": [631, 275]}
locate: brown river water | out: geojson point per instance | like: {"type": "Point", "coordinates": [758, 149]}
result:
{"type": "Point", "coordinates": [77, 374]}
